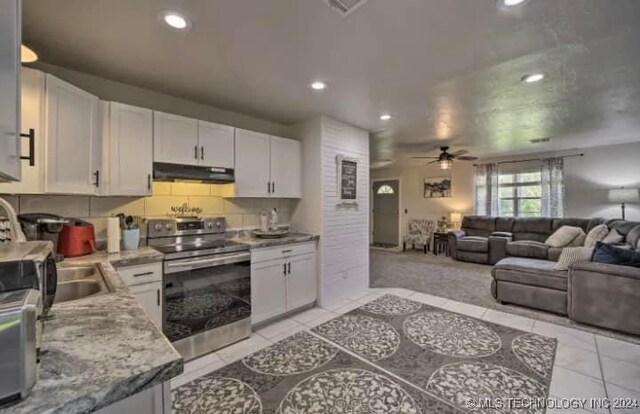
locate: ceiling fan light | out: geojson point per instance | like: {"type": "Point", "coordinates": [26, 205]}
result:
{"type": "Point", "coordinates": [446, 164]}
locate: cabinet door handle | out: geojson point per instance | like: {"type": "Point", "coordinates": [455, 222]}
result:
{"type": "Point", "coordinates": [284, 269]}
{"type": "Point", "coordinates": [269, 187]}
{"type": "Point", "coordinates": [287, 251]}
{"type": "Point", "coordinates": [97, 182]}
{"type": "Point", "coordinates": [289, 268]}
{"type": "Point", "coordinates": [32, 147]}
{"type": "Point", "coordinates": [143, 274]}
{"type": "Point", "coordinates": [148, 181]}
{"type": "Point", "coordinates": [195, 149]}
{"type": "Point", "coordinates": [202, 152]}
{"type": "Point", "coordinates": [158, 296]}
{"type": "Point", "coordinates": [273, 187]}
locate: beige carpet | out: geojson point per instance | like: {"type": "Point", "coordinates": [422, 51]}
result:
{"type": "Point", "coordinates": [463, 282]}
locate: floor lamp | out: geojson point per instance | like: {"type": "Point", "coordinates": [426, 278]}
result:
{"type": "Point", "coordinates": [623, 196]}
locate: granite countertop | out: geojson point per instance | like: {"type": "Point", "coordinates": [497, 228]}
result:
{"type": "Point", "coordinates": [257, 243]}
{"type": "Point", "coordinates": [100, 349]}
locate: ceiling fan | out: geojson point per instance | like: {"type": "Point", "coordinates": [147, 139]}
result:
{"type": "Point", "coordinates": [445, 159]}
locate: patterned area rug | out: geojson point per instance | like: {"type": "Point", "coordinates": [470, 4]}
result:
{"type": "Point", "coordinates": [447, 358]}
{"type": "Point", "coordinates": [302, 374]}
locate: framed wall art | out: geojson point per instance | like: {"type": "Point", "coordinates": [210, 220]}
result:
{"type": "Point", "coordinates": [347, 178]}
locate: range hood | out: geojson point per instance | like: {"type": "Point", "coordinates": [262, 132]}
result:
{"type": "Point", "coordinates": [163, 171]}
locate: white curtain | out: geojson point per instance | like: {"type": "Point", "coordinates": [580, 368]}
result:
{"type": "Point", "coordinates": [486, 190]}
{"type": "Point", "coordinates": [552, 177]}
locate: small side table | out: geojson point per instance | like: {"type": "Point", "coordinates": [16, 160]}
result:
{"type": "Point", "coordinates": [441, 243]}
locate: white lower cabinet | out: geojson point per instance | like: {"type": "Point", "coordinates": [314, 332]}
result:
{"type": "Point", "coordinates": [268, 290]}
{"type": "Point", "coordinates": [150, 296]}
{"type": "Point", "coordinates": [156, 400]}
{"type": "Point", "coordinates": [283, 279]}
{"type": "Point", "coordinates": [145, 283]}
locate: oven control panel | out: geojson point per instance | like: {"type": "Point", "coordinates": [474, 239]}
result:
{"type": "Point", "coordinates": [185, 226]}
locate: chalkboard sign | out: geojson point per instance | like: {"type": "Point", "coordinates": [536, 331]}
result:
{"type": "Point", "coordinates": [347, 178]}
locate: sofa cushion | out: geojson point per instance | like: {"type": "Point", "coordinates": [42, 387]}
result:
{"type": "Point", "coordinates": [633, 237]}
{"type": "Point", "coordinates": [613, 237]}
{"type": "Point", "coordinates": [478, 225]}
{"type": "Point", "coordinates": [605, 253]}
{"type": "Point", "coordinates": [530, 272]}
{"type": "Point", "coordinates": [536, 229]}
{"type": "Point", "coordinates": [564, 236]}
{"type": "Point", "coordinates": [473, 244]}
{"type": "Point", "coordinates": [505, 224]}
{"type": "Point", "coordinates": [598, 233]}
{"type": "Point", "coordinates": [528, 248]}
{"type": "Point", "coordinates": [554, 253]}
{"type": "Point", "coordinates": [571, 255]}
{"type": "Point", "coordinates": [573, 222]}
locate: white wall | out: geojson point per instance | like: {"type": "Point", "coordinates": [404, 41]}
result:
{"type": "Point", "coordinates": [587, 180]}
{"type": "Point", "coordinates": [412, 175]}
{"type": "Point", "coordinates": [343, 229]}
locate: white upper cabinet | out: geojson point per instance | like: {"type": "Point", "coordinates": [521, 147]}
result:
{"type": "Point", "coordinates": [73, 152]}
{"type": "Point", "coordinates": [32, 113]}
{"type": "Point", "coordinates": [267, 166]}
{"type": "Point", "coordinates": [10, 141]}
{"type": "Point", "coordinates": [175, 139]}
{"type": "Point", "coordinates": [252, 164]}
{"type": "Point", "coordinates": [286, 168]}
{"type": "Point", "coordinates": [216, 144]}
{"type": "Point", "coordinates": [128, 136]}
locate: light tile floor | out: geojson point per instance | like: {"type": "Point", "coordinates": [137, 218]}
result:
{"type": "Point", "coordinates": [587, 365]}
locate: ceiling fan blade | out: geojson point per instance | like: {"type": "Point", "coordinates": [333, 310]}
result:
{"type": "Point", "coordinates": [433, 162]}
{"type": "Point", "coordinates": [458, 153]}
{"type": "Point", "coordinates": [467, 158]}
{"type": "Point", "coordinates": [425, 158]}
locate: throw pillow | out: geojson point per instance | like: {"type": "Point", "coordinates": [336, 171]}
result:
{"type": "Point", "coordinates": [571, 255]}
{"type": "Point", "coordinates": [613, 237]}
{"type": "Point", "coordinates": [598, 233]}
{"type": "Point", "coordinates": [606, 253]}
{"type": "Point", "coordinates": [564, 236]}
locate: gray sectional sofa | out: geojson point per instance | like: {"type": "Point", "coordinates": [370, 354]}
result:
{"type": "Point", "coordinates": [598, 294]}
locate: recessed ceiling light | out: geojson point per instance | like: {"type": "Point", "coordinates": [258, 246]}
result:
{"type": "Point", "coordinates": [27, 55]}
{"type": "Point", "coordinates": [508, 4]}
{"type": "Point", "coordinates": [318, 85]}
{"type": "Point", "coordinates": [175, 20]}
{"type": "Point", "coordinates": [533, 77]}
{"type": "Point", "coordinates": [385, 117]}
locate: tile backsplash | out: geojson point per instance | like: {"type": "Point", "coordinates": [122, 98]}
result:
{"type": "Point", "coordinates": [241, 213]}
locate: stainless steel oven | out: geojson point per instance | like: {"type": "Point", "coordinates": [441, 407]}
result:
{"type": "Point", "coordinates": [207, 284]}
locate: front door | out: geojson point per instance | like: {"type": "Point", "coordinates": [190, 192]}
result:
{"type": "Point", "coordinates": [385, 212]}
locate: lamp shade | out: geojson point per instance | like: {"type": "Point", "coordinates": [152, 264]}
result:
{"type": "Point", "coordinates": [624, 195]}
{"type": "Point", "coordinates": [455, 217]}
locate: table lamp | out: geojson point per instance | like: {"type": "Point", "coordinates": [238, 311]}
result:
{"type": "Point", "coordinates": [624, 195]}
{"type": "Point", "coordinates": [455, 219]}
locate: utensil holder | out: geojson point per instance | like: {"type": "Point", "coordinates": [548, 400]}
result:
{"type": "Point", "coordinates": [130, 239]}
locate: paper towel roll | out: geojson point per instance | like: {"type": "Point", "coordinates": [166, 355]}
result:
{"type": "Point", "coordinates": [113, 235]}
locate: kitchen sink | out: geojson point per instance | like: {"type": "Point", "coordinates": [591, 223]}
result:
{"type": "Point", "coordinates": [79, 282]}
{"type": "Point", "coordinates": [66, 274]}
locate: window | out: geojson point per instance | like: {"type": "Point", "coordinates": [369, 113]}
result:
{"type": "Point", "coordinates": [385, 189]}
{"type": "Point", "coordinates": [520, 194]}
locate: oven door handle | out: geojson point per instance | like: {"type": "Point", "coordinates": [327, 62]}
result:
{"type": "Point", "coordinates": [178, 266]}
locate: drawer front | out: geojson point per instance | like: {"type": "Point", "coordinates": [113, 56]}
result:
{"type": "Point", "coordinates": [139, 274]}
{"type": "Point", "coordinates": [280, 252]}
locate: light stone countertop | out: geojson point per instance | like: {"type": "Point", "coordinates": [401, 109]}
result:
{"type": "Point", "coordinates": [101, 349]}
{"type": "Point", "coordinates": [257, 243]}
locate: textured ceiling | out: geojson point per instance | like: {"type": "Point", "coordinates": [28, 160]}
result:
{"type": "Point", "coordinates": [448, 70]}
